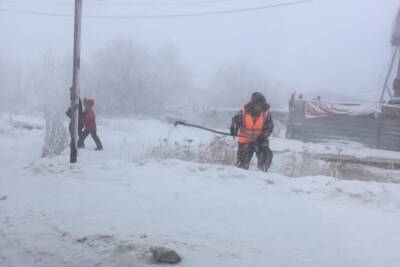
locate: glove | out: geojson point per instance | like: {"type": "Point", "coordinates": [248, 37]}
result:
{"type": "Point", "coordinates": [263, 140]}
{"type": "Point", "coordinates": [233, 131]}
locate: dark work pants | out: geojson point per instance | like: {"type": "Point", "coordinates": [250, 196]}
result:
{"type": "Point", "coordinates": [85, 133]}
{"type": "Point", "coordinates": [263, 153]}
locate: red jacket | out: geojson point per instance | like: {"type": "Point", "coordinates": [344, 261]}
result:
{"type": "Point", "coordinates": [89, 120]}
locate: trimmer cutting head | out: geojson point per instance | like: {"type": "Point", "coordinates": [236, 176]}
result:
{"type": "Point", "coordinates": [178, 123]}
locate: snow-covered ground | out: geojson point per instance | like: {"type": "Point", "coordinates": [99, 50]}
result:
{"type": "Point", "coordinates": [108, 209]}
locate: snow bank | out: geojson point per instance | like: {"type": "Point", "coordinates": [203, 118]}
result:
{"type": "Point", "coordinates": [345, 148]}
{"type": "Point", "coordinates": [212, 215]}
{"type": "Point", "coordinates": [109, 209]}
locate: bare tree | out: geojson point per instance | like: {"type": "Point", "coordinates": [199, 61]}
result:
{"type": "Point", "coordinates": [233, 84]}
{"type": "Point", "coordinates": [128, 78]}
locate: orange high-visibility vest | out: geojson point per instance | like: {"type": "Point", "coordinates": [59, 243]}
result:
{"type": "Point", "coordinates": [250, 129]}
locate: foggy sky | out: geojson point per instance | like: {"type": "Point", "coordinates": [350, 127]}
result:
{"type": "Point", "coordinates": [335, 45]}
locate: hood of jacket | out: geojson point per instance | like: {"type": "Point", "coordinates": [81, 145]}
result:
{"type": "Point", "coordinates": [251, 107]}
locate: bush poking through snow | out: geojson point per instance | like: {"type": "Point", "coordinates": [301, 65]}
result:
{"type": "Point", "coordinates": [56, 135]}
{"type": "Point", "coordinates": [301, 164]}
{"type": "Point", "coordinates": [220, 150]}
{"type": "Point", "coordinates": [179, 151]}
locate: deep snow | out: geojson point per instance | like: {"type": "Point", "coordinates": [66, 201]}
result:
{"type": "Point", "coordinates": [113, 205]}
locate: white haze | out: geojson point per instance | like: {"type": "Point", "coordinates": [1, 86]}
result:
{"type": "Point", "coordinates": [326, 45]}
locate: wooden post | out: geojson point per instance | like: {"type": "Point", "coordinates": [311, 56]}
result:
{"type": "Point", "coordinates": [75, 91]}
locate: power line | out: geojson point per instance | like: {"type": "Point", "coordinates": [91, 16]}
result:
{"type": "Point", "coordinates": [176, 3]}
{"type": "Point", "coordinates": [182, 15]}
{"type": "Point", "coordinates": [104, 3]}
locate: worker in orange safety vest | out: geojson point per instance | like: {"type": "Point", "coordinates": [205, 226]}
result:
{"type": "Point", "coordinates": [253, 125]}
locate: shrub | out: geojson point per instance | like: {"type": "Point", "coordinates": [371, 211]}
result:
{"type": "Point", "coordinates": [56, 135]}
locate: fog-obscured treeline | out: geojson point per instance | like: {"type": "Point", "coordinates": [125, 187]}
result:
{"type": "Point", "coordinates": [127, 78]}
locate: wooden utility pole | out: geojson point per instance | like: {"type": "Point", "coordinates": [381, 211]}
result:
{"type": "Point", "coordinates": [388, 75]}
{"type": "Point", "coordinates": [75, 90]}
{"type": "Point", "coordinates": [396, 45]}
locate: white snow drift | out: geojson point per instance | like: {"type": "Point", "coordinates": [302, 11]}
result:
{"type": "Point", "coordinates": [110, 208]}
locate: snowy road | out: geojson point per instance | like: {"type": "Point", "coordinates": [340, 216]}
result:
{"type": "Point", "coordinates": [108, 210]}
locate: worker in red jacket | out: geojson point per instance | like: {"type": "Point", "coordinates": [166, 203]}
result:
{"type": "Point", "coordinates": [89, 122]}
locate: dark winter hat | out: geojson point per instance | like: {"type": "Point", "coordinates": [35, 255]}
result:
{"type": "Point", "coordinates": [257, 97]}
